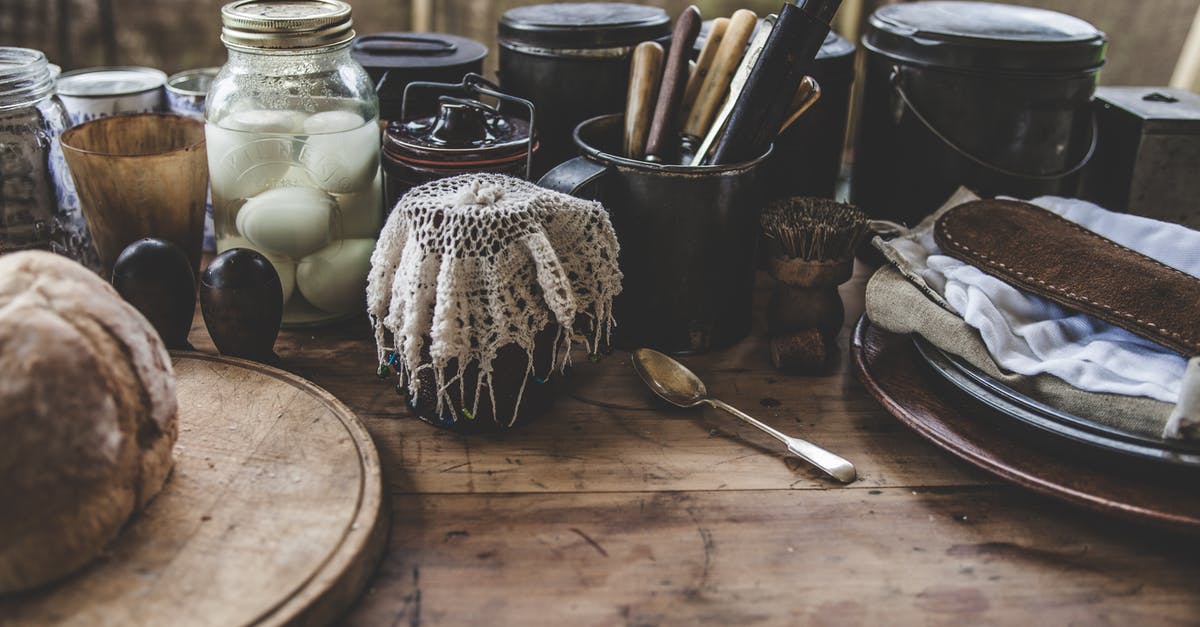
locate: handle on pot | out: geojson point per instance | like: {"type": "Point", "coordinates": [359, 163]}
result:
{"type": "Point", "coordinates": [898, 86]}
{"type": "Point", "coordinates": [573, 175]}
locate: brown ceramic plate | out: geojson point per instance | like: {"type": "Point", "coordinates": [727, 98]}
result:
{"type": "Point", "coordinates": [893, 371]}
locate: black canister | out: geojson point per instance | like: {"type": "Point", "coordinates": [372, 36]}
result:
{"type": "Point", "coordinates": [572, 62]}
{"type": "Point", "coordinates": [991, 96]}
{"type": "Point", "coordinates": [393, 60]}
{"type": "Point", "coordinates": [808, 155]}
{"type": "Point", "coordinates": [464, 136]}
{"type": "Point", "coordinates": [688, 236]}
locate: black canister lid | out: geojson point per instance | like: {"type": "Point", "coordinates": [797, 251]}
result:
{"type": "Point", "coordinates": [463, 131]}
{"type": "Point", "coordinates": [583, 25]}
{"type": "Point", "coordinates": [417, 51]}
{"type": "Point", "coordinates": [986, 37]}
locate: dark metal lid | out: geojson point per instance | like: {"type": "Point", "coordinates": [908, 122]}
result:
{"type": "Point", "coordinates": [463, 130]}
{"type": "Point", "coordinates": [1162, 110]}
{"type": "Point", "coordinates": [583, 25]}
{"type": "Point", "coordinates": [387, 51]}
{"type": "Point", "coordinates": [986, 37]}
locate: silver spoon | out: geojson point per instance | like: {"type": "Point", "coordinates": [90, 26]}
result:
{"type": "Point", "coordinates": [679, 386]}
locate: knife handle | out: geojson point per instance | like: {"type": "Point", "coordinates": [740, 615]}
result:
{"type": "Point", "coordinates": [806, 96]}
{"type": "Point", "coordinates": [644, 75]}
{"type": "Point", "coordinates": [716, 33]}
{"type": "Point", "coordinates": [674, 80]}
{"type": "Point", "coordinates": [725, 63]}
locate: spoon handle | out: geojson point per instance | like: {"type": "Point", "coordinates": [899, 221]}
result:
{"type": "Point", "coordinates": [833, 465]}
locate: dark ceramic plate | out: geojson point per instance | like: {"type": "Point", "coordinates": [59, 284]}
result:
{"type": "Point", "coordinates": [1015, 405]}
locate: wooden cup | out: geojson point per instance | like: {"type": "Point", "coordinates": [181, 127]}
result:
{"type": "Point", "coordinates": [138, 176]}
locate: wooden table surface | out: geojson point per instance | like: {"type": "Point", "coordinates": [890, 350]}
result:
{"type": "Point", "coordinates": [614, 509]}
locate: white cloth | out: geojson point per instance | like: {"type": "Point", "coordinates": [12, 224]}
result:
{"type": "Point", "coordinates": [1030, 335]}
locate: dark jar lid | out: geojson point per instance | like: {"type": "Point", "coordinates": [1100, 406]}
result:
{"type": "Point", "coordinates": [463, 133]}
{"type": "Point", "coordinates": [583, 25]}
{"type": "Point", "coordinates": [982, 36]}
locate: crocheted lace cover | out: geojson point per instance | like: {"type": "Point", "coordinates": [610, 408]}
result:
{"type": "Point", "coordinates": [476, 262]}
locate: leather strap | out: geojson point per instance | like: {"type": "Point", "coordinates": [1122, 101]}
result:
{"type": "Point", "coordinates": [1040, 252]}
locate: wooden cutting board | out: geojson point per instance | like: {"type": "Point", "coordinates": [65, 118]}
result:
{"type": "Point", "coordinates": [273, 513]}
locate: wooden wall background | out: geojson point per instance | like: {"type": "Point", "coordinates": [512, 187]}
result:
{"type": "Point", "coordinates": [1146, 35]}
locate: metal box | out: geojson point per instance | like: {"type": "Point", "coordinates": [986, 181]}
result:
{"type": "Point", "coordinates": [1147, 159]}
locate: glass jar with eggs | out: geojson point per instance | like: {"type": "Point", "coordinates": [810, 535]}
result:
{"type": "Point", "coordinates": [292, 124]}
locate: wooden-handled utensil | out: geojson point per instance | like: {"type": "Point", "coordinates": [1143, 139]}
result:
{"type": "Point", "coordinates": [724, 64]}
{"type": "Point", "coordinates": [767, 96]}
{"type": "Point", "coordinates": [665, 123]}
{"type": "Point", "coordinates": [645, 72]}
{"type": "Point", "coordinates": [716, 33]}
{"type": "Point", "coordinates": [735, 87]}
{"type": "Point", "coordinates": [806, 96]}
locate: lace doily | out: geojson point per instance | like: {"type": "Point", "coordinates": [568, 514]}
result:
{"type": "Point", "coordinates": [470, 264]}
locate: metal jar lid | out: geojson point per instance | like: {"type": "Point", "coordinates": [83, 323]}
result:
{"type": "Point", "coordinates": [464, 133]}
{"type": "Point", "coordinates": [982, 36]}
{"type": "Point", "coordinates": [105, 82]}
{"type": "Point", "coordinates": [285, 24]}
{"type": "Point", "coordinates": [583, 25]}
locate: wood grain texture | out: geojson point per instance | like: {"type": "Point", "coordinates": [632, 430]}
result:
{"type": "Point", "coordinates": [273, 514]}
{"type": "Point", "coordinates": [613, 509]}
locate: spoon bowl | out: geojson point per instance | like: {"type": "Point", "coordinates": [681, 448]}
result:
{"type": "Point", "coordinates": [674, 383]}
{"type": "Point", "coordinates": [669, 379]}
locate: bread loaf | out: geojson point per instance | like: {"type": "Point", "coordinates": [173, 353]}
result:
{"type": "Point", "coordinates": [87, 416]}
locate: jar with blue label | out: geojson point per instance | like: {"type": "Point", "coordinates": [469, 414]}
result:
{"type": "Point", "coordinates": [292, 124]}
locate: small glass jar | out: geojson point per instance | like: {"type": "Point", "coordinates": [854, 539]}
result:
{"type": "Point", "coordinates": [292, 124]}
{"type": "Point", "coordinates": [38, 205]}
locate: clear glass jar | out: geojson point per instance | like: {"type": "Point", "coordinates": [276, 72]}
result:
{"type": "Point", "coordinates": [292, 124]}
{"type": "Point", "coordinates": [38, 205]}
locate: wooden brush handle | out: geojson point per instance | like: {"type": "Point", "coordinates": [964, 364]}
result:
{"type": "Point", "coordinates": [725, 63]}
{"type": "Point", "coordinates": [703, 64]}
{"type": "Point", "coordinates": [644, 77]}
{"type": "Point", "coordinates": [674, 81]}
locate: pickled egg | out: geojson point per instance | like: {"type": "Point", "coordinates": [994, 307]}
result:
{"type": "Point", "coordinates": [251, 151]}
{"type": "Point", "coordinates": [284, 267]}
{"type": "Point", "coordinates": [335, 277]}
{"type": "Point", "coordinates": [289, 221]}
{"type": "Point", "coordinates": [362, 211]}
{"type": "Point", "coordinates": [341, 152]}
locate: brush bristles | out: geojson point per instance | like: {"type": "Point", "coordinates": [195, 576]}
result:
{"type": "Point", "coordinates": [814, 229]}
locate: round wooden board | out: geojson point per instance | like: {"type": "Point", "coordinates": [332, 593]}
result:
{"type": "Point", "coordinates": [895, 374]}
{"type": "Point", "coordinates": [273, 513]}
